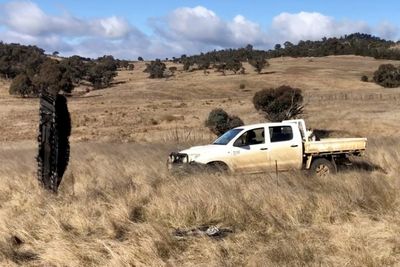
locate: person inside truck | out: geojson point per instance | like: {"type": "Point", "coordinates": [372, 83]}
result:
{"type": "Point", "coordinates": [255, 137]}
{"type": "Point", "coordinates": [251, 138]}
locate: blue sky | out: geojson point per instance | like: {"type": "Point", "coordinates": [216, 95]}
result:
{"type": "Point", "coordinates": [128, 29]}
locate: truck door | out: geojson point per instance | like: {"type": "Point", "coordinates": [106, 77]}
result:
{"type": "Point", "coordinates": [285, 147]}
{"type": "Point", "coordinates": [249, 151]}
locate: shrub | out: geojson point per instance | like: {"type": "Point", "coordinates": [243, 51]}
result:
{"type": "Point", "coordinates": [220, 68]}
{"type": "Point", "coordinates": [173, 69]}
{"type": "Point", "coordinates": [234, 65]}
{"type": "Point", "coordinates": [102, 71]}
{"type": "Point", "coordinates": [387, 75]}
{"type": "Point", "coordinates": [75, 67]}
{"type": "Point", "coordinates": [187, 64]}
{"type": "Point", "coordinates": [364, 78]}
{"type": "Point", "coordinates": [53, 77]}
{"type": "Point", "coordinates": [99, 76]}
{"type": "Point", "coordinates": [204, 65]}
{"type": "Point", "coordinates": [219, 121]}
{"type": "Point", "coordinates": [16, 59]}
{"type": "Point", "coordinates": [280, 103]}
{"type": "Point", "coordinates": [242, 86]}
{"type": "Point", "coordinates": [259, 64]}
{"type": "Point", "coordinates": [122, 64]}
{"type": "Point", "coordinates": [22, 85]}
{"type": "Point", "coordinates": [155, 69]}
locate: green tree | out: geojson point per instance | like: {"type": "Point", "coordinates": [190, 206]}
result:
{"type": "Point", "coordinates": [249, 47]}
{"type": "Point", "coordinates": [220, 68]}
{"type": "Point", "coordinates": [22, 85]}
{"type": "Point", "coordinates": [219, 121]}
{"type": "Point", "coordinates": [101, 72]}
{"type": "Point", "coordinates": [204, 64]}
{"type": "Point", "coordinates": [155, 69]}
{"type": "Point", "coordinates": [387, 75]}
{"type": "Point", "coordinates": [234, 65]}
{"type": "Point", "coordinates": [52, 77]}
{"type": "Point", "coordinates": [100, 76]}
{"type": "Point", "coordinates": [75, 68]}
{"type": "Point", "coordinates": [280, 103]}
{"type": "Point", "coordinates": [187, 64]}
{"type": "Point", "coordinates": [259, 64]}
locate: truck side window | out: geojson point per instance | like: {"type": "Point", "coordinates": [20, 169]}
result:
{"type": "Point", "coordinates": [251, 137]}
{"type": "Point", "coordinates": [280, 133]}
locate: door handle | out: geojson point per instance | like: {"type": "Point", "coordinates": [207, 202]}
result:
{"type": "Point", "coordinates": [264, 148]}
{"type": "Point", "coordinates": [294, 145]}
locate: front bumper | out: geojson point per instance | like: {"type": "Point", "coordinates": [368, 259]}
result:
{"type": "Point", "coordinates": [176, 159]}
{"type": "Point", "coordinates": [180, 161]}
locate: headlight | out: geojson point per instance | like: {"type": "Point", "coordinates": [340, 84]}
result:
{"type": "Point", "coordinates": [185, 160]}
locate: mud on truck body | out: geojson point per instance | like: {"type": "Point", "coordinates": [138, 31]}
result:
{"type": "Point", "coordinates": [282, 146]}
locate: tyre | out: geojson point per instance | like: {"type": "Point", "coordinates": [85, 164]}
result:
{"type": "Point", "coordinates": [217, 167]}
{"type": "Point", "coordinates": [322, 167]}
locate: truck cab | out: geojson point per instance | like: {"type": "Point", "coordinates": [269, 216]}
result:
{"type": "Point", "coordinates": [253, 148]}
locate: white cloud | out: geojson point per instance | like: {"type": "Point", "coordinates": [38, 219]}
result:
{"type": "Point", "coordinates": [112, 27]}
{"type": "Point", "coordinates": [387, 30]}
{"type": "Point", "coordinates": [51, 42]}
{"type": "Point", "coordinates": [24, 22]}
{"type": "Point", "coordinates": [183, 31]}
{"type": "Point", "coordinates": [247, 32]}
{"type": "Point", "coordinates": [196, 24]}
{"type": "Point", "coordinates": [27, 18]}
{"type": "Point", "coordinates": [201, 28]}
{"type": "Point", "coordinates": [312, 26]}
{"type": "Point", "coordinates": [24, 17]}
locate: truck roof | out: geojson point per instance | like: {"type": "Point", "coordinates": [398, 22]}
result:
{"type": "Point", "coordinates": [259, 125]}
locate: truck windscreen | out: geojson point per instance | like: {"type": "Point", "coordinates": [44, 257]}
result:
{"type": "Point", "coordinates": [227, 137]}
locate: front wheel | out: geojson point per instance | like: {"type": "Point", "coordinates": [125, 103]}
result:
{"type": "Point", "coordinates": [322, 167]}
{"type": "Point", "coordinates": [217, 167]}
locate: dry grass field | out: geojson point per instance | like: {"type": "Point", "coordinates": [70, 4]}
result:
{"type": "Point", "coordinates": [118, 206]}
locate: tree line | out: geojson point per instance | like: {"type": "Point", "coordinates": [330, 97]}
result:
{"type": "Point", "coordinates": [353, 44]}
{"type": "Point", "coordinates": [32, 70]}
{"type": "Point", "coordinates": [231, 59]}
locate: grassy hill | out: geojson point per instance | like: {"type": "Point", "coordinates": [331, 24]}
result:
{"type": "Point", "coordinates": [118, 206]}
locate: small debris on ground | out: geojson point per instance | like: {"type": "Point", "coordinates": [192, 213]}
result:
{"type": "Point", "coordinates": [204, 230]}
{"type": "Point", "coordinates": [16, 241]}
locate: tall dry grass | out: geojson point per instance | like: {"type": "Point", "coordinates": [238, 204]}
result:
{"type": "Point", "coordinates": [117, 206]}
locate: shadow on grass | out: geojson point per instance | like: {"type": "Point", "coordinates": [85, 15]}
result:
{"type": "Point", "coordinates": [362, 165]}
{"type": "Point", "coordinates": [268, 72]}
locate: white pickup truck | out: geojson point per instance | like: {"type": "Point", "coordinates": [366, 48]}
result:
{"type": "Point", "coordinates": [282, 146]}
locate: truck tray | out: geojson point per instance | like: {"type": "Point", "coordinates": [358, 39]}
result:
{"type": "Point", "coordinates": [335, 145]}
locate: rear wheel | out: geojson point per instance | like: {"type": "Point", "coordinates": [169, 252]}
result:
{"type": "Point", "coordinates": [323, 167]}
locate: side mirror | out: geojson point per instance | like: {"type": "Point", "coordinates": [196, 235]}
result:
{"type": "Point", "coordinates": [239, 143]}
